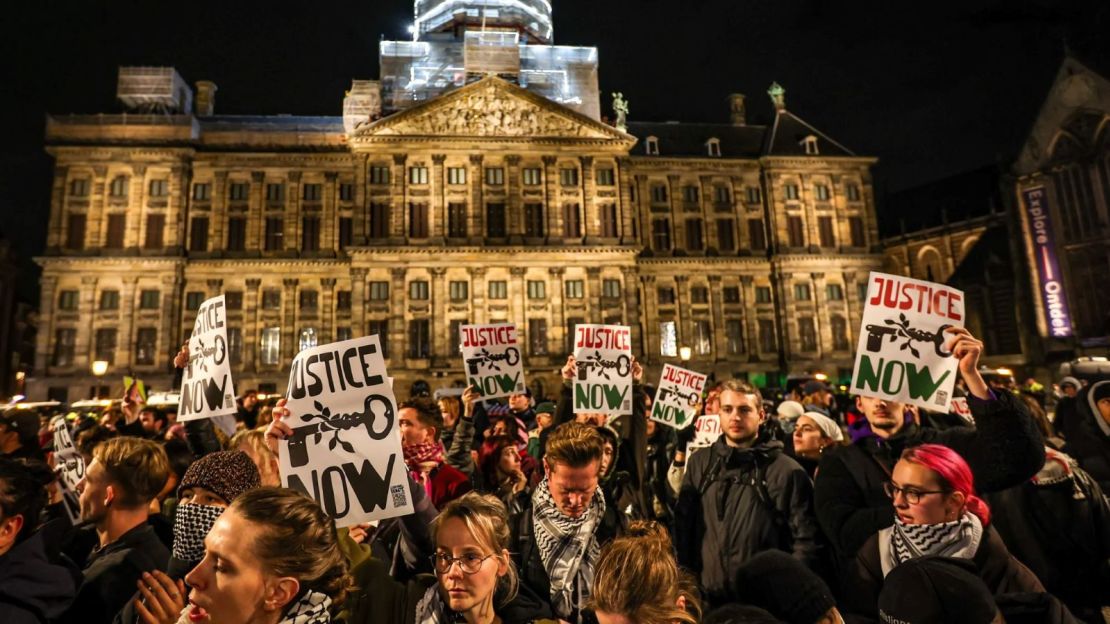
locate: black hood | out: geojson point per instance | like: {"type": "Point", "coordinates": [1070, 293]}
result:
{"type": "Point", "coordinates": [30, 579]}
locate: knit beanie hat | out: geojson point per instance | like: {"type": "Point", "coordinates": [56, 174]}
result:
{"type": "Point", "coordinates": [936, 589]}
{"type": "Point", "coordinates": [827, 426]}
{"type": "Point", "coordinates": [779, 583]}
{"type": "Point", "coordinates": [547, 407]}
{"type": "Point", "coordinates": [225, 473]}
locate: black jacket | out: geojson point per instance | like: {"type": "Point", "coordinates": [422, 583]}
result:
{"type": "Point", "coordinates": [735, 503]}
{"type": "Point", "coordinates": [112, 572]}
{"type": "Point", "coordinates": [1086, 441]}
{"type": "Point", "coordinates": [36, 584]}
{"type": "Point", "coordinates": [1004, 449]}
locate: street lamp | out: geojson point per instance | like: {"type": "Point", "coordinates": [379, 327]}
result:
{"type": "Point", "coordinates": [684, 354]}
{"type": "Point", "coordinates": [99, 367]}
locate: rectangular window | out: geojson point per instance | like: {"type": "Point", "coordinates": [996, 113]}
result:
{"type": "Point", "coordinates": [731, 294]}
{"type": "Point", "coordinates": [454, 338]}
{"type": "Point", "coordinates": [495, 176]}
{"type": "Point", "coordinates": [342, 333]}
{"type": "Point", "coordinates": [419, 339]}
{"type": "Point", "coordinates": [312, 192]}
{"type": "Point", "coordinates": [658, 193]}
{"type": "Point", "coordinates": [456, 220]}
{"type": "Point", "coordinates": [418, 175]}
{"type": "Point", "coordinates": [605, 177]}
{"type": "Point", "coordinates": [533, 220]}
{"type": "Point", "coordinates": [418, 290]}
{"type": "Point", "coordinates": [109, 300]}
{"type": "Point", "coordinates": [79, 187]}
{"type": "Point", "coordinates": [537, 289]}
{"type": "Point", "coordinates": [275, 192]}
{"type": "Point", "coordinates": [801, 292]}
{"type": "Point", "coordinates": [346, 232]}
{"type": "Point", "coordinates": [310, 234]}
{"type": "Point", "coordinates": [198, 234]}
{"type": "Point", "coordinates": [703, 338]}
{"type": "Point", "coordinates": [721, 195]}
{"type": "Point", "coordinates": [270, 346]}
{"type": "Point", "coordinates": [346, 192]}
{"type": "Point", "coordinates": [460, 291]}
{"type": "Point", "coordinates": [239, 191]}
{"type": "Point", "coordinates": [146, 343]}
{"type": "Point", "coordinates": [380, 328]}
{"type": "Point", "coordinates": [456, 175]}
{"type": "Point", "coordinates": [821, 191]}
{"type": "Point", "coordinates": [537, 336]}
{"type": "Point", "coordinates": [67, 300]}
{"type": "Point", "coordinates": [734, 334]}
{"type": "Point", "coordinates": [64, 342]}
{"type": "Point", "coordinates": [106, 339]}
{"type": "Point", "coordinates": [755, 196]}
{"type": "Point", "coordinates": [726, 235]}
{"type": "Point", "coordinates": [668, 339]}
{"type": "Point", "coordinates": [666, 295]}
{"type": "Point", "coordinates": [155, 224]}
{"type": "Point", "coordinates": [379, 291]}
{"type": "Point", "coordinates": [574, 289]}
{"type": "Point", "coordinates": [533, 176]}
{"type": "Point", "coordinates": [611, 289]}
{"type": "Point", "coordinates": [159, 188]}
{"type": "Point", "coordinates": [796, 238]}
{"type": "Point", "coordinates": [418, 220]}
{"type": "Point", "coordinates": [235, 345]}
{"type": "Point", "coordinates": [75, 232]}
{"type": "Point", "coordinates": [855, 227]}
{"type": "Point", "coordinates": [379, 175]}
{"type": "Point", "coordinates": [791, 191]}
{"type": "Point", "coordinates": [661, 234]}
{"type": "Point", "coordinates": [839, 333]}
{"type": "Point", "coordinates": [694, 240]}
{"type": "Point", "coordinates": [571, 223]}
{"type": "Point", "coordinates": [379, 221]}
{"type": "Point", "coordinates": [825, 231]}
{"type": "Point", "coordinates": [690, 194]}
{"type": "Point", "coordinates": [767, 341]}
{"type": "Point", "coordinates": [309, 300]}
{"type": "Point", "coordinates": [117, 227]}
{"type": "Point", "coordinates": [271, 299]}
{"type": "Point", "coordinates": [119, 186]}
{"type": "Point", "coordinates": [193, 301]}
{"type": "Point", "coordinates": [498, 290]}
{"type": "Point", "coordinates": [148, 299]}
{"type": "Point", "coordinates": [343, 300]}
{"type": "Point", "coordinates": [853, 192]}
{"type": "Point", "coordinates": [608, 216]}
{"type": "Point", "coordinates": [202, 191]}
{"type": "Point", "coordinates": [274, 234]}
{"type": "Point", "coordinates": [568, 177]}
{"type": "Point", "coordinates": [699, 294]}
{"type": "Point", "coordinates": [763, 294]}
{"type": "Point", "coordinates": [236, 233]}
{"type": "Point", "coordinates": [807, 333]}
{"type": "Point", "coordinates": [495, 220]}
{"type": "Point", "coordinates": [833, 292]}
{"type": "Point", "coordinates": [233, 299]}
{"type": "Point", "coordinates": [756, 238]}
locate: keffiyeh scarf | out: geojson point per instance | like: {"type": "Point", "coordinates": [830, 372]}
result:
{"type": "Point", "coordinates": [421, 459]}
{"type": "Point", "coordinates": [567, 548]}
{"type": "Point", "coordinates": [311, 608]}
{"type": "Point", "coordinates": [959, 538]}
{"type": "Point", "coordinates": [191, 525]}
{"type": "Point", "coordinates": [431, 609]}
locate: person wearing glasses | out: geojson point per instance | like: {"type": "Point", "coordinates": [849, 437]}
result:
{"type": "Point", "coordinates": [937, 513]}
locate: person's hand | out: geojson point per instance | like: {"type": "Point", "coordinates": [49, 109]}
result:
{"type": "Point", "coordinates": [182, 357]}
{"type": "Point", "coordinates": [685, 436]}
{"type": "Point", "coordinates": [519, 481]}
{"type": "Point", "coordinates": [278, 429]}
{"type": "Point", "coordinates": [130, 407]}
{"type": "Point", "coordinates": [469, 396]}
{"type": "Point", "coordinates": [176, 430]}
{"type": "Point", "coordinates": [570, 369]}
{"type": "Point", "coordinates": [637, 371]}
{"type": "Point", "coordinates": [163, 598]}
{"type": "Point", "coordinates": [359, 532]}
{"type": "Point", "coordinates": [967, 349]}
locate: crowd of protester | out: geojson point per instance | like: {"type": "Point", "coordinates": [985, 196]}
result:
{"type": "Point", "coordinates": [809, 509]}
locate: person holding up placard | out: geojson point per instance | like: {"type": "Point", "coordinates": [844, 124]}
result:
{"type": "Point", "coordinates": [1004, 449]}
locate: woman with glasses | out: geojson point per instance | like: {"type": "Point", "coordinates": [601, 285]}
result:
{"type": "Point", "coordinates": [936, 514]}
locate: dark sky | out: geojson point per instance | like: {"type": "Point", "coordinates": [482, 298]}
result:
{"type": "Point", "coordinates": [932, 88]}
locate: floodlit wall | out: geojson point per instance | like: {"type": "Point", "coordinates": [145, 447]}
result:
{"type": "Point", "coordinates": [531, 16]}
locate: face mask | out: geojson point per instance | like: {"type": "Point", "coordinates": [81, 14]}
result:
{"type": "Point", "coordinates": [190, 526]}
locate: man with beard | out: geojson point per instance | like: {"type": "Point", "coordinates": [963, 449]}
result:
{"type": "Point", "coordinates": [1004, 449]}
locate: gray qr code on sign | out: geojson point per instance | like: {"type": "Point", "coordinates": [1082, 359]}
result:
{"type": "Point", "coordinates": [942, 397]}
{"type": "Point", "coordinates": [399, 497]}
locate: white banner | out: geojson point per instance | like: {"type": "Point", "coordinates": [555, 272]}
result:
{"type": "Point", "coordinates": [603, 355]}
{"type": "Point", "coordinates": [345, 451]}
{"type": "Point", "coordinates": [68, 465]}
{"type": "Point", "coordinates": [206, 386]}
{"type": "Point", "coordinates": [491, 357]}
{"type": "Point", "coordinates": [706, 431]}
{"type": "Point", "coordinates": [677, 397]}
{"type": "Point", "coordinates": [901, 354]}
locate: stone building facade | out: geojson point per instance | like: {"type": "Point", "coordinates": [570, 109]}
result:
{"type": "Point", "coordinates": [748, 244]}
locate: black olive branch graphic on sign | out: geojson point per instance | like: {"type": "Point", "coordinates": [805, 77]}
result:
{"type": "Point", "coordinates": [484, 358]}
{"type": "Point", "coordinates": [622, 365]}
{"type": "Point", "coordinates": [901, 329]}
{"type": "Point", "coordinates": [335, 423]}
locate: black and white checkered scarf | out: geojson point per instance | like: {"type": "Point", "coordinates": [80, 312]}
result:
{"type": "Point", "coordinates": [959, 538]}
{"type": "Point", "coordinates": [567, 548]}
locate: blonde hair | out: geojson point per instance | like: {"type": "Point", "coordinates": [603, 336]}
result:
{"type": "Point", "coordinates": [138, 467]}
{"type": "Point", "coordinates": [637, 577]}
{"type": "Point", "coordinates": [255, 440]}
{"type": "Point", "coordinates": [743, 387]}
{"type": "Point", "coordinates": [487, 520]}
{"type": "Point", "coordinates": [575, 445]}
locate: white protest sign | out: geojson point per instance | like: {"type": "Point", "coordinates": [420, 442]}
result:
{"type": "Point", "coordinates": [901, 354]}
{"type": "Point", "coordinates": [603, 356]}
{"type": "Point", "coordinates": [491, 356]}
{"type": "Point", "coordinates": [677, 397]}
{"type": "Point", "coordinates": [206, 386]}
{"type": "Point", "coordinates": [345, 451]}
{"type": "Point", "coordinates": [69, 465]}
{"type": "Point", "coordinates": [706, 431]}
{"type": "Point", "coordinates": [960, 408]}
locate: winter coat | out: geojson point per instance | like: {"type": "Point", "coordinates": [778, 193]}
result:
{"type": "Point", "coordinates": [111, 574]}
{"type": "Point", "coordinates": [1004, 450]}
{"type": "Point", "coordinates": [1000, 571]}
{"type": "Point", "coordinates": [36, 585]}
{"type": "Point", "coordinates": [735, 503]}
{"type": "Point", "coordinates": [1087, 442]}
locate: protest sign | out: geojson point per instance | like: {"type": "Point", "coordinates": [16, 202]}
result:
{"type": "Point", "coordinates": [69, 465]}
{"type": "Point", "coordinates": [706, 431]}
{"type": "Point", "coordinates": [677, 397]}
{"type": "Point", "coordinates": [206, 386]}
{"type": "Point", "coordinates": [135, 390]}
{"type": "Point", "coordinates": [345, 451]}
{"type": "Point", "coordinates": [603, 356]}
{"type": "Point", "coordinates": [901, 355]}
{"type": "Point", "coordinates": [960, 408]}
{"type": "Point", "coordinates": [491, 356]}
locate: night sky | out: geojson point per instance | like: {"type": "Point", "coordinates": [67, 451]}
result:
{"type": "Point", "coordinates": [932, 89]}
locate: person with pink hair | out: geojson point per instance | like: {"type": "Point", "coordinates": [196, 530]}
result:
{"type": "Point", "coordinates": [937, 513]}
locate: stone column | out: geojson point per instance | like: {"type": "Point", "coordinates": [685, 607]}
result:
{"type": "Point", "coordinates": [853, 308]}
{"type": "Point", "coordinates": [329, 221]}
{"type": "Point", "coordinates": [290, 321]}
{"type": "Point", "coordinates": [630, 286]}
{"type": "Point", "coordinates": [54, 236]}
{"type": "Point", "coordinates": [85, 312]}
{"type": "Point", "coordinates": [98, 199]}
{"type": "Point", "coordinates": [514, 205]}
{"type": "Point", "coordinates": [751, 318]}
{"type": "Point", "coordinates": [180, 182]}
{"type": "Point", "coordinates": [551, 201]}
{"type": "Point", "coordinates": [437, 332]}
{"type": "Point", "coordinates": [476, 229]}
{"type": "Point", "coordinates": [437, 199]}
{"type": "Point", "coordinates": [558, 330]}
{"type": "Point", "coordinates": [291, 227]}
{"type": "Point", "coordinates": [327, 310]}
{"type": "Point", "coordinates": [650, 340]}
{"type": "Point", "coordinates": [127, 305]}
{"type": "Point", "coordinates": [170, 323]}
{"type": "Point", "coordinates": [593, 292]}
{"type": "Point", "coordinates": [362, 204]}
{"type": "Point", "coordinates": [517, 295]}
{"type": "Point", "coordinates": [44, 337]}
{"type": "Point", "coordinates": [398, 207]}
{"type": "Point", "coordinates": [136, 207]}
{"type": "Point", "coordinates": [682, 310]}
{"type": "Point", "coordinates": [821, 315]}
{"type": "Point", "coordinates": [478, 294]}
{"type": "Point", "coordinates": [717, 322]}
{"type": "Point", "coordinates": [252, 312]}
{"type": "Point", "coordinates": [256, 223]}
{"type": "Point", "coordinates": [625, 205]}
{"type": "Point", "coordinates": [398, 343]}
{"type": "Point", "coordinates": [217, 216]}
{"type": "Point", "coordinates": [678, 224]}
{"type": "Point", "coordinates": [590, 219]}
{"type": "Point", "coordinates": [358, 301]}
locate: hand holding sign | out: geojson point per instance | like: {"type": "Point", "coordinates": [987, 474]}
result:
{"type": "Point", "coordinates": [967, 349]}
{"type": "Point", "coordinates": [603, 358]}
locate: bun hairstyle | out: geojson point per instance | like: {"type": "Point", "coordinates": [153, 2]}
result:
{"type": "Point", "coordinates": [637, 577]}
{"type": "Point", "coordinates": [298, 540]}
{"type": "Point", "coordinates": [953, 472]}
{"type": "Point", "coordinates": [488, 522]}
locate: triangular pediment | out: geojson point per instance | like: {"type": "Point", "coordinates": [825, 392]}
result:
{"type": "Point", "coordinates": [492, 108]}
